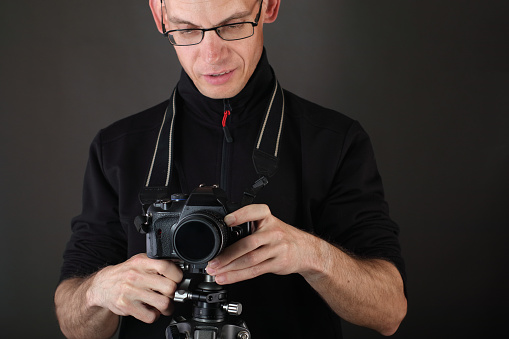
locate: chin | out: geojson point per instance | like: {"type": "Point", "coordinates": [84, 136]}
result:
{"type": "Point", "coordinates": [220, 93]}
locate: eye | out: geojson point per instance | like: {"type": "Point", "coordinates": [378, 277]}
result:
{"type": "Point", "coordinates": [234, 26]}
{"type": "Point", "coordinates": [188, 32]}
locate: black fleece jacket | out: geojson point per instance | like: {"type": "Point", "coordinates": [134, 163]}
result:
{"type": "Point", "coordinates": [327, 184]}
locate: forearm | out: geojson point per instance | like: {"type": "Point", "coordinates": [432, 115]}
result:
{"type": "Point", "coordinates": [366, 292]}
{"type": "Point", "coordinates": [79, 319]}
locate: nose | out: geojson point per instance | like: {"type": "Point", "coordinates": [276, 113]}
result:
{"type": "Point", "coordinates": [213, 47]}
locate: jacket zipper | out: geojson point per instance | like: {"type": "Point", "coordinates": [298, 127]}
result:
{"type": "Point", "coordinates": [227, 141]}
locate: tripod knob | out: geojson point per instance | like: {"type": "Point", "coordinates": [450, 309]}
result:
{"type": "Point", "coordinates": [233, 308]}
{"type": "Point", "coordinates": [182, 295]}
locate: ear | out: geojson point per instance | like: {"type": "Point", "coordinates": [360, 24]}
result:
{"type": "Point", "coordinates": [271, 11]}
{"type": "Point", "coordinates": [155, 7]}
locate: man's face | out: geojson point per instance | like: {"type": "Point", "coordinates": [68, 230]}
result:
{"type": "Point", "coordinates": [218, 68]}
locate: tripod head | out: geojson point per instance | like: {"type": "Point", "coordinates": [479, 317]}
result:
{"type": "Point", "coordinates": [213, 317]}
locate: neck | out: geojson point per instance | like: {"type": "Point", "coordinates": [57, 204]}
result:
{"type": "Point", "coordinates": [242, 105]}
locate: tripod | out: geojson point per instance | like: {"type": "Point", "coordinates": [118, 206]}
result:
{"type": "Point", "coordinates": [211, 310]}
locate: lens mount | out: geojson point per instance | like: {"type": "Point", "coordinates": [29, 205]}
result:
{"type": "Point", "coordinates": [199, 237]}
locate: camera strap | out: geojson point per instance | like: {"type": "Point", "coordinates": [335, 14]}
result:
{"type": "Point", "coordinates": [159, 174]}
{"type": "Point", "coordinates": [265, 153]}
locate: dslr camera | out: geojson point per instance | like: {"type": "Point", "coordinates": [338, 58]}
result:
{"type": "Point", "coordinates": [190, 229]}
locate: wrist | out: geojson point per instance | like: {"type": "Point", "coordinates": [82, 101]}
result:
{"type": "Point", "coordinates": [318, 261]}
{"type": "Point", "coordinates": [91, 295]}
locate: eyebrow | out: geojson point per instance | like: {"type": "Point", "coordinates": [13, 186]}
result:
{"type": "Point", "coordinates": [239, 15]}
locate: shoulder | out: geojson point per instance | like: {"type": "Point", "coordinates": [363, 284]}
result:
{"type": "Point", "coordinates": [147, 121]}
{"type": "Point", "coordinates": [314, 118]}
{"type": "Point", "coordinates": [315, 115]}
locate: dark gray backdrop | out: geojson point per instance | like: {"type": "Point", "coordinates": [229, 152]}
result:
{"type": "Point", "coordinates": [427, 79]}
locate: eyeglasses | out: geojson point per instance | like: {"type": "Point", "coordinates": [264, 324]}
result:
{"type": "Point", "coordinates": [228, 32]}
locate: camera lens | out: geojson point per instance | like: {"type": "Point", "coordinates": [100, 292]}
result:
{"type": "Point", "coordinates": [199, 238]}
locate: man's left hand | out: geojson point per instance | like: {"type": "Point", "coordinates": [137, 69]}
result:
{"type": "Point", "coordinates": [274, 247]}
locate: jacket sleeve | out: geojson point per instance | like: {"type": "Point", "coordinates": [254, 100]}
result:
{"type": "Point", "coordinates": [355, 215]}
{"type": "Point", "coordinates": [97, 238]}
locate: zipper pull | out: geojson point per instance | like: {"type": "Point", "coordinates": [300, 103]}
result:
{"type": "Point", "coordinates": [227, 112]}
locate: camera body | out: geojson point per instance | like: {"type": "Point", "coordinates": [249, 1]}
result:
{"type": "Point", "coordinates": [190, 229]}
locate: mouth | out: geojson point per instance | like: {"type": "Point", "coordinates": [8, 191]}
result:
{"type": "Point", "coordinates": [219, 74]}
{"type": "Point", "coordinates": [220, 78]}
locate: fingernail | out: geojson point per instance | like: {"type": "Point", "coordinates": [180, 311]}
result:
{"type": "Point", "coordinates": [219, 279]}
{"type": "Point", "coordinates": [210, 271]}
{"type": "Point", "coordinates": [213, 264]}
{"type": "Point", "coordinates": [229, 219]}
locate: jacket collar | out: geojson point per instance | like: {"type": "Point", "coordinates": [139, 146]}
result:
{"type": "Point", "coordinates": [251, 101]}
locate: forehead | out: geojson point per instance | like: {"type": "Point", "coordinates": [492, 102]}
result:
{"type": "Point", "coordinates": [206, 11]}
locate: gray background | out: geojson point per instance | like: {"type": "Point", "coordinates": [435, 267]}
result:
{"type": "Point", "coordinates": [427, 79]}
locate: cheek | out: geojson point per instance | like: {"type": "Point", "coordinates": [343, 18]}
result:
{"type": "Point", "coordinates": [186, 59]}
{"type": "Point", "coordinates": [249, 54]}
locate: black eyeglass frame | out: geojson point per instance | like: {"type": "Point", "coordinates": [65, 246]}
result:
{"type": "Point", "coordinates": [203, 30]}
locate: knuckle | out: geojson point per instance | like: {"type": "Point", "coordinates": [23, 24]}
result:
{"type": "Point", "coordinates": [176, 273]}
{"type": "Point", "coordinates": [120, 302]}
{"type": "Point", "coordinates": [173, 288]}
{"type": "Point", "coordinates": [251, 258]}
{"type": "Point", "coordinates": [179, 275]}
{"type": "Point", "coordinates": [131, 276]}
{"type": "Point", "coordinates": [265, 207]}
{"type": "Point", "coordinates": [279, 236]}
{"type": "Point", "coordinates": [150, 316]}
{"type": "Point", "coordinates": [284, 245]}
{"type": "Point", "coordinates": [122, 305]}
{"type": "Point", "coordinates": [253, 241]}
{"type": "Point", "coordinates": [256, 270]}
{"type": "Point", "coordinates": [163, 303]}
{"type": "Point", "coordinates": [169, 289]}
{"type": "Point", "coordinates": [138, 259]}
{"type": "Point", "coordinates": [171, 271]}
{"type": "Point", "coordinates": [125, 290]}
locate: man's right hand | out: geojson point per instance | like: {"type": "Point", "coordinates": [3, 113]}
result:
{"type": "Point", "coordinates": [140, 287]}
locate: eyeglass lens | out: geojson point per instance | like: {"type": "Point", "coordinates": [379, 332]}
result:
{"type": "Point", "coordinates": [227, 32]}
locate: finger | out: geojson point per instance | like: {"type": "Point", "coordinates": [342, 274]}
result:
{"type": "Point", "coordinates": [145, 313]}
{"type": "Point", "coordinates": [155, 300]}
{"type": "Point", "coordinates": [232, 277]}
{"type": "Point", "coordinates": [162, 285]}
{"type": "Point", "coordinates": [247, 213]}
{"type": "Point", "coordinates": [135, 300]}
{"type": "Point", "coordinates": [170, 270]}
{"type": "Point", "coordinates": [165, 268]}
{"type": "Point", "coordinates": [139, 303]}
{"type": "Point", "coordinates": [129, 287]}
{"type": "Point", "coordinates": [250, 259]}
{"type": "Point", "coordinates": [150, 314]}
{"type": "Point", "coordinates": [237, 250]}
{"type": "Point", "coordinates": [135, 279]}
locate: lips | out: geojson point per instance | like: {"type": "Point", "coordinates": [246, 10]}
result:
{"type": "Point", "coordinates": [219, 74]}
{"type": "Point", "coordinates": [219, 78]}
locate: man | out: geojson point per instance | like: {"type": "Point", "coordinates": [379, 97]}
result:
{"type": "Point", "coordinates": [324, 246]}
